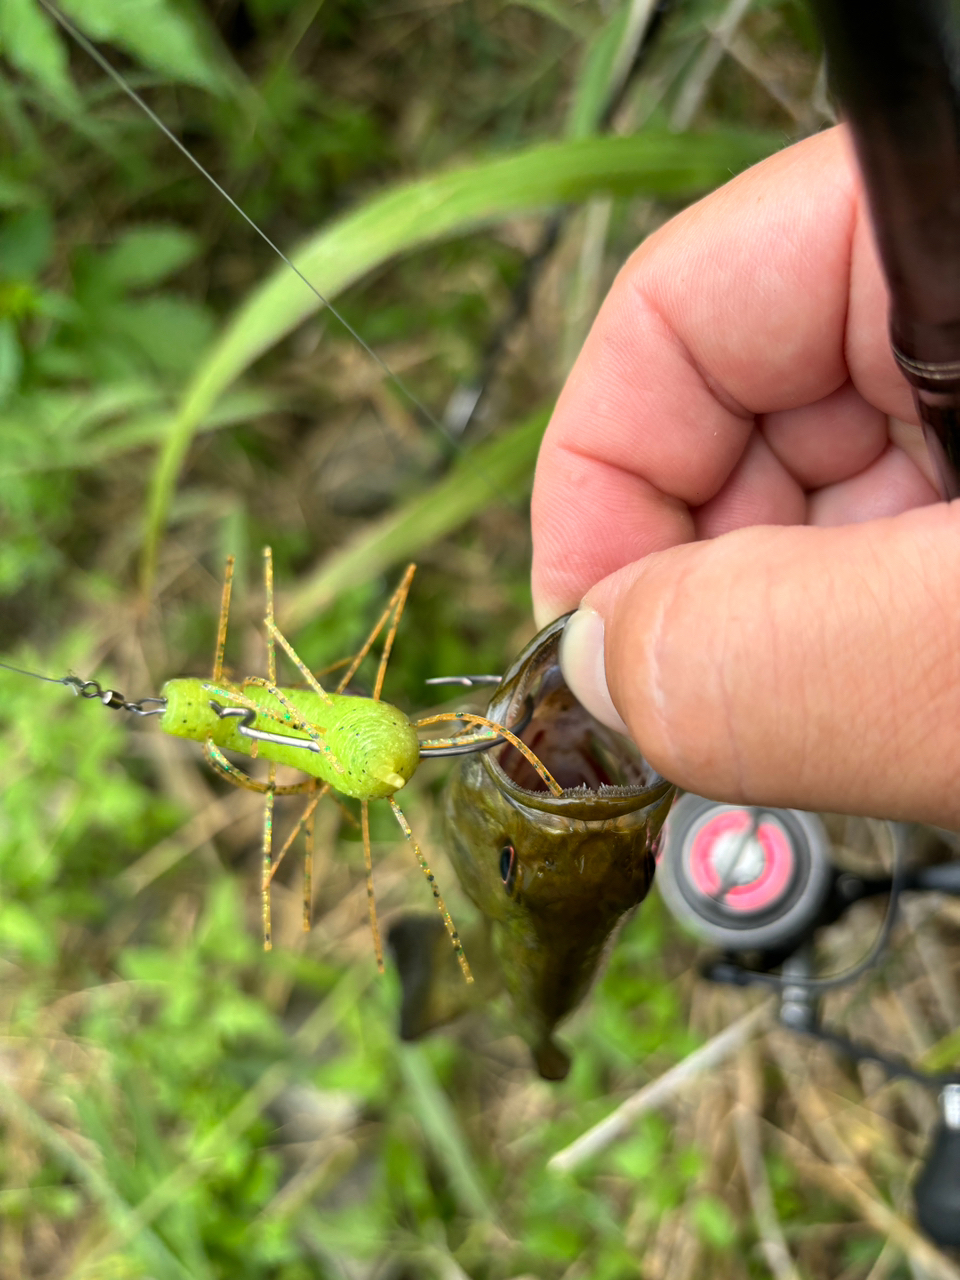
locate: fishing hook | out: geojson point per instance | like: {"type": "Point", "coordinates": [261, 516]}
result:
{"type": "Point", "coordinates": [247, 717]}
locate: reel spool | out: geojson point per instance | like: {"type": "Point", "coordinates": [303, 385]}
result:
{"type": "Point", "coordinates": [744, 879]}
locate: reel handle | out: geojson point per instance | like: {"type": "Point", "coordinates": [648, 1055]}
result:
{"type": "Point", "coordinates": [937, 1190]}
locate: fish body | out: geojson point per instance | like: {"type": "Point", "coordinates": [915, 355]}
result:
{"type": "Point", "coordinates": [551, 875]}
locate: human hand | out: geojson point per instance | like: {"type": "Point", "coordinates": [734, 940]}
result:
{"type": "Point", "coordinates": [731, 483]}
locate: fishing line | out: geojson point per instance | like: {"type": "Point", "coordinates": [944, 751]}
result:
{"type": "Point", "coordinates": [394, 378]}
{"type": "Point", "coordinates": [94, 689]}
{"type": "Point", "coordinates": [22, 671]}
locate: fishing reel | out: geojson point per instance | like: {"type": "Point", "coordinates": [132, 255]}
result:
{"type": "Point", "coordinates": [759, 883]}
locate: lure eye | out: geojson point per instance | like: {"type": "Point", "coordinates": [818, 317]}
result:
{"type": "Point", "coordinates": [508, 867]}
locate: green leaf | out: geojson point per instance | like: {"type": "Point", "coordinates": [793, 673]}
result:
{"type": "Point", "coordinates": [26, 242]}
{"type": "Point", "coordinates": [431, 1106]}
{"type": "Point", "coordinates": [30, 42]}
{"type": "Point", "coordinates": [24, 935]}
{"type": "Point", "coordinates": [557, 1240]}
{"type": "Point", "coordinates": [434, 208]}
{"type": "Point", "coordinates": [713, 1222]}
{"type": "Point", "coordinates": [147, 255]}
{"type": "Point", "coordinates": [170, 331]}
{"type": "Point", "coordinates": [944, 1054]}
{"type": "Point", "coordinates": [155, 32]}
{"type": "Point", "coordinates": [594, 83]}
{"type": "Point", "coordinates": [11, 359]}
{"type": "Point", "coordinates": [48, 431]}
{"type": "Point", "coordinates": [563, 15]}
{"type": "Point", "coordinates": [642, 1156]}
{"type": "Point", "coordinates": [14, 193]}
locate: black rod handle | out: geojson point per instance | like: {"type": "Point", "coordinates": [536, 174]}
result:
{"type": "Point", "coordinates": [894, 65]}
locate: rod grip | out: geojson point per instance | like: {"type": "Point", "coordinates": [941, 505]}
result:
{"type": "Point", "coordinates": [894, 66]}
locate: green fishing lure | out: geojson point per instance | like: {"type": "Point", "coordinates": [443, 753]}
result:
{"type": "Point", "coordinates": [360, 747]}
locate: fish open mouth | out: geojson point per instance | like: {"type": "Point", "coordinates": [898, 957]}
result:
{"type": "Point", "coordinates": [601, 773]}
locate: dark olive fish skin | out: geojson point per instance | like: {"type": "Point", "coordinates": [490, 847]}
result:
{"type": "Point", "coordinates": [551, 875]}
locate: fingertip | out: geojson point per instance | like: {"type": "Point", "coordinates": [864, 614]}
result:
{"type": "Point", "coordinates": [583, 665]}
{"type": "Point", "coordinates": [546, 609]}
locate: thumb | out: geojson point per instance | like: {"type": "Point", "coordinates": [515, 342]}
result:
{"type": "Point", "coordinates": [806, 667]}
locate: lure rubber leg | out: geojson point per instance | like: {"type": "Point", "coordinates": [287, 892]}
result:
{"type": "Point", "coordinates": [468, 717]}
{"type": "Point", "coordinates": [305, 818]}
{"type": "Point", "coordinates": [399, 603]}
{"type": "Point", "coordinates": [222, 624]}
{"type": "Point", "coordinates": [392, 614]}
{"type": "Point", "coordinates": [368, 864]}
{"type": "Point", "coordinates": [297, 661]}
{"type": "Point", "coordinates": [308, 872]}
{"type": "Point", "coordinates": [268, 620]}
{"type": "Point", "coordinates": [237, 778]}
{"type": "Point", "coordinates": [431, 880]}
{"type": "Point", "coordinates": [267, 868]}
{"type": "Point", "coordinates": [308, 824]}
{"type": "Point", "coordinates": [293, 716]}
{"type": "Point", "coordinates": [274, 634]}
{"type": "Point", "coordinates": [239, 699]}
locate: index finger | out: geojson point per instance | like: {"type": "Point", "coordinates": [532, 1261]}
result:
{"type": "Point", "coordinates": [766, 296]}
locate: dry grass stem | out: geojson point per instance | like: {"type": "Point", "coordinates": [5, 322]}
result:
{"type": "Point", "coordinates": [202, 827]}
{"type": "Point", "coordinates": [662, 1090]}
{"type": "Point", "coordinates": [768, 74]}
{"type": "Point", "coordinates": [695, 87]}
{"type": "Point", "coordinates": [936, 962]}
{"type": "Point", "coordinates": [888, 1258]}
{"type": "Point", "coordinates": [851, 1185]}
{"type": "Point", "coordinates": [746, 1124]}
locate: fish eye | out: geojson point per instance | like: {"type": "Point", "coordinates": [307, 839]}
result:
{"type": "Point", "coordinates": [508, 866]}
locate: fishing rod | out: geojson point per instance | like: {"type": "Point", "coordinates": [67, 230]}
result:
{"type": "Point", "coordinates": [893, 66]}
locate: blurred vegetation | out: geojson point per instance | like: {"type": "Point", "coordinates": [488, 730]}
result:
{"type": "Point", "coordinates": [174, 1102]}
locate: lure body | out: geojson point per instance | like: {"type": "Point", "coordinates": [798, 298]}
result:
{"type": "Point", "coordinates": [366, 749]}
{"type": "Point", "coordinates": [551, 875]}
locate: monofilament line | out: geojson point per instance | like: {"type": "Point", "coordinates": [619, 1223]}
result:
{"type": "Point", "coordinates": [105, 65]}
{"type": "Point", "coordinates": [34, 675]}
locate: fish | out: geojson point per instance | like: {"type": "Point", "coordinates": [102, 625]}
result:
{"type": "Point", "coordinates": [551, 876]}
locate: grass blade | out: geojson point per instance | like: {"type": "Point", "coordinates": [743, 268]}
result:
{"type": "Point", "coordinates": [655, 163]}
{"type": "Point", "coordinates": [443, 1133]}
